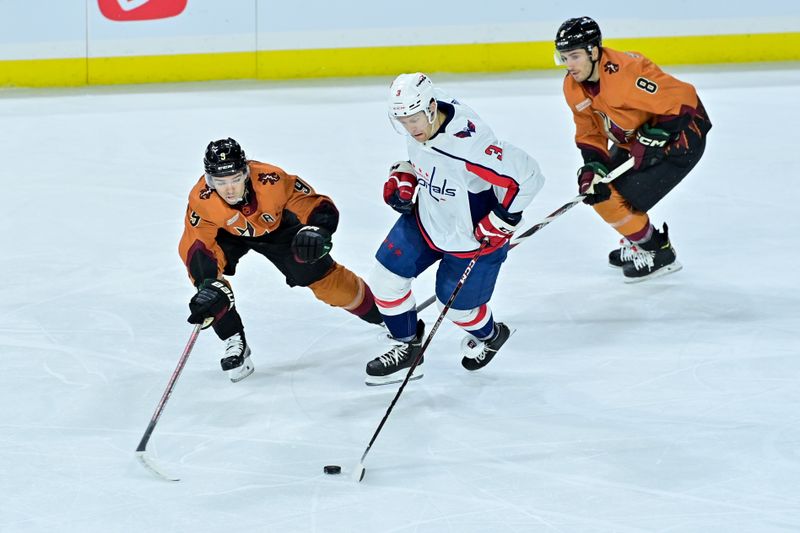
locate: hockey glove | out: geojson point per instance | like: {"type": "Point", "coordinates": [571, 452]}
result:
{"type": "Point", "coordinates": [498, 227]}
{"type": "Point", "coordinates": [589, 176]}
{"type": "Point", "coordinates": [398, 190]}
{"type": "Point", "coordinates": [311, 244]}
{"type": "Point", "coordinates": [648, 148]}
{"type": "Point", "coordinates": [214, 298]}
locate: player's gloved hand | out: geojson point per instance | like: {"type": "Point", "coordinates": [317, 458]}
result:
{"type": "Point", "coordinates": [399, 188]}
{"type": "Point", "coordinates": [589, 176]}
{"type": "Point", "coordinates": [311, 244]}
{"type": "Point", "coordinates": [649, 145]}
{"type": "Point", "coordinates": [214, 298]}
{"type": "Point", "coordinates": [498, 227]}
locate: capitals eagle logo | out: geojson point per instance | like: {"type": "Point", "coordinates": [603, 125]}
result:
{"type": "Point", "coordinates": [467, 131]}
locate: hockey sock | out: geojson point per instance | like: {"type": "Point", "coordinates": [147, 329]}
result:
{"type": "Point", "coordinates": [642, 235]}
{"type": "Point", "coordinates": [402, 327]}
{"type": "Point", "coordinates": [493, 335]}
{"type": "Point", "coordinates": [486, 332]}
{"type": "Point", "coordinates": [228, 325]}
{"type": "Point", "coordinates": [367, 310]}
{"type": "Point", "coordinates": [478, 322]}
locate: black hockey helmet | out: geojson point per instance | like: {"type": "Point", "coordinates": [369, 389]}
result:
{"type": "Point", "coordinates": [224, 158]}
{"type": "Point", "coordinates": [581, 32]}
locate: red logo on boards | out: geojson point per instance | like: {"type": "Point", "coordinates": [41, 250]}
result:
{"type": "Point", "coordinates": [124, 10]}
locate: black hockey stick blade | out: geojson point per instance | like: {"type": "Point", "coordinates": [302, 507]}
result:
{"type": "Point", "coordinates": [152, 467]}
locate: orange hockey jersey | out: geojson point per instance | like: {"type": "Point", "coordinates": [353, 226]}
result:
{"type": "Point", "coordinates": [632, 90]}
{"type": "Point", "coordinates": [270, 191]}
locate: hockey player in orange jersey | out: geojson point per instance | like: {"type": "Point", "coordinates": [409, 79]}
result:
{"type": "Point", "coordinates": [241, 205]}
{"type": "Point", "coordinates": [625, 100]}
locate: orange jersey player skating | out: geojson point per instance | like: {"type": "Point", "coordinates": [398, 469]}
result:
{"type": "Point", "coordinates": [633, 91]}
{"type": "Point", "coordinates": [624, 100]}
{"type": "Point", "coordinates": [241, 205]}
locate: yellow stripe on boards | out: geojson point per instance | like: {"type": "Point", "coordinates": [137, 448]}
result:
{"type": "Point", "coordinates": [709, 49]}
{"type": "Point", "coordinates": [390, 60]}
{"type": "Point", "coordinates": [505, 57]}
{"type": "Point", "coordinates": [43, 72]}
{"type": "Point", "coordinates": [172, 68]}
{"type": "Point", "coordinates": [381, 61]}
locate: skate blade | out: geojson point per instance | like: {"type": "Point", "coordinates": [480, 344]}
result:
{"type": "Point", "coordinates": [669, 269]}
{"type": "Point", "coordinates": [511, 332]}
{"type": "Point", "coordinates": [236, 375]}
{"type": "Point", "coordinates": [376, 381]}
{"type": "Point", "coordinates": [468, 360]}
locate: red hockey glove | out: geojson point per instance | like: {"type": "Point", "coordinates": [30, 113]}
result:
{"type": "Point", "coordinates": [398, 190]}
{"type": "Point", "coordinates": [498, 227]}
{"type": "Point", "coordinates": [648, 148]}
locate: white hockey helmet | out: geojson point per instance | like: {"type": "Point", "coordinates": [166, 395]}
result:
{"type": "Point", "coordinates": [410, 94]}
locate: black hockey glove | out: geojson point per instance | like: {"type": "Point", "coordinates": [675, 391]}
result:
{"type": "Point", "coordinates": [587, 175]}
{"type": "Point", "coordinates": [311, 244]}
{"type": "Point", "coordinates": [214, 298]}
{"type": "Point", "coordinates": [648, 148]}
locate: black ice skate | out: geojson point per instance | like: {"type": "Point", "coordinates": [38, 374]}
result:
{"type": "Point", "coordinates": [236, 361]}
{"type": "Point", "coordinates": [622, 255]}
{"type": "Point", "coordinates": [391, 367]}
{"type": "Point", "coordinates": [652, 259]}
{"type": "Point", "coordinates": [478, 353]}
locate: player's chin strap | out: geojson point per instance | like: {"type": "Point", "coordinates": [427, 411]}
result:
{"type": "Point", "coordinates": [434, 123]}
{"type": "Point", "coordinates": [519, 237]}
{"type": "Point", "coordinates": [595, 61]}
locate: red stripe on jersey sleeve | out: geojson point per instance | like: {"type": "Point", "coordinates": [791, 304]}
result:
{"type": "Point", "coordinates": [511, 186]}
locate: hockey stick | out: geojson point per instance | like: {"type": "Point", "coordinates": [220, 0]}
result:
{"type": "Point", "coordinates": [141, 450]}
{"type": "Point", "coordinates": [360, 470]}
{"type": "Point", "coordinates": [517, 239]}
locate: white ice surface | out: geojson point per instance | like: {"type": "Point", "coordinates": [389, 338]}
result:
{"type": "Point", "coordinates": [668, 406]}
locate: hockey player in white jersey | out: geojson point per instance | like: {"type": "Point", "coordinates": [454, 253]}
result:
{"type": "Point", "coordinates": [470, 187]}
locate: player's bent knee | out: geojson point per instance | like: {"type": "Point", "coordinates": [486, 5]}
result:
{"type": "Point", "coordinates": [392, 293]}
{"type": "Point", "coordinates": [387, 285]}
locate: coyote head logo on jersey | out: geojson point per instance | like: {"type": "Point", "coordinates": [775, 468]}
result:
{"type": "Point", "coordinates": [614, 132]}
{"type": "Point", "coordinates": [268, 177]}
{"type": "Point", "coordinates": [610, 67]}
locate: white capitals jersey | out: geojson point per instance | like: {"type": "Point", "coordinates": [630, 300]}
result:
{"type": "Point", "coordinates": [463, 172]}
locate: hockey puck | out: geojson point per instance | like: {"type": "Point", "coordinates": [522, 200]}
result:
{"type": "Point", "coordinates": [332, 469]}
